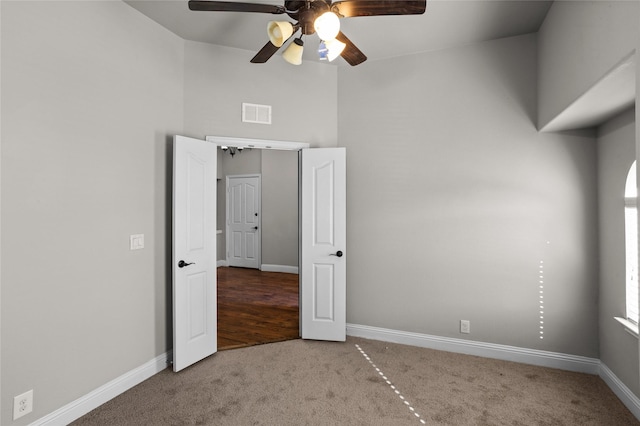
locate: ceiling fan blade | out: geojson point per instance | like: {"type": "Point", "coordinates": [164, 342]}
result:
{"type": "Point", "coordinates": [352, 8]}
{"type": "Point", "coordinates": [351, 53]}
{"type": "Point", "coordinates": [265, 53]}
{"type": "Point", "coordinates": [293, 4]}
{"type": "Point", "coordinates": [227, 6]}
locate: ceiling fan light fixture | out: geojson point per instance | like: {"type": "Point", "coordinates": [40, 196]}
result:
{"type": "Point", "coordinates": [312, 16]}
{"type": "Point", "coordinates": [279, 32]}
{"type": "Point", "coordinates": [293, 53]}
{"type": "Point", "coordinates": [327, 26]}
{"type": "Point", "coordinates": [334, 49]}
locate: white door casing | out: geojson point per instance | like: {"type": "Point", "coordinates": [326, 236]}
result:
{"type": "Point", "coordinates": [243, 221]}
{"type": "Point", "coordinates": [194, 242]}
{"type": "Point", "coordinates": [323, 244]}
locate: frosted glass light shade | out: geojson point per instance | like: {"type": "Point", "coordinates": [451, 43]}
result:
{"type": "Point", "coordinates": [279, 32]}
{"type": "Point", "coordinates": [327, 26]}
{"type": "Point", "coordinates": [335, 48]}
{"type": "Point", "coordinates": [293, 53]}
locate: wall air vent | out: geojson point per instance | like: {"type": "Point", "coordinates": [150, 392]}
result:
{"type": "Point", "coordinates": [253, 113]}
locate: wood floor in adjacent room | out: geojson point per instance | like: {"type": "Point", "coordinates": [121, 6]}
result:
{"type": "Point", "coordinates": [256, 307]}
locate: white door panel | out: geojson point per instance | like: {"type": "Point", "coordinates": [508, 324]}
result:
{"type": "Point", "coordinates": [323, 248]}
{"type": "Point", "coordinates": [194, 247]}
{"type": "Point", "coordinates": [243, 223]}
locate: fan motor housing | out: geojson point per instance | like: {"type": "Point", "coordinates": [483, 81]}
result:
{"type": "Point", "coordinates": [307, 15]}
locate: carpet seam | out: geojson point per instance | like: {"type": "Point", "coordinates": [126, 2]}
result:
{"type": "Point", "coordinates": [391, 385]}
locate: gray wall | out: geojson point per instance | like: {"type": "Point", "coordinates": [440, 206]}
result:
{"type": "Point", "coordinates": [580, 41]}
{"type": "Point", "coordinates": [455, 198]}
{"type": "Point", "coordinates": [616, 153]}
{"type": "Point", "coordinates": [280, 208]}
{"type": "Point", "coordinates": [219, 79]}
{"type": "Point", "coordinates": [91, 92]}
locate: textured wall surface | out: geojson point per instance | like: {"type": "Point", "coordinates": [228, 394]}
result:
{"type": "Point", "coordinates": [91, 94]}
{"type": "Point", "coordinates": [454, 200]}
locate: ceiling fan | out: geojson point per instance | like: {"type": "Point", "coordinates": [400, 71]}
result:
{"type": "Point", "coordinates": [314, 16]}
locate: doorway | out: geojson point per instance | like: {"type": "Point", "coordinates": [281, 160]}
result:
{"type": "Point", "coordinates": [258, 302]}
{"type": "Point", "coordinates": [322, 241]}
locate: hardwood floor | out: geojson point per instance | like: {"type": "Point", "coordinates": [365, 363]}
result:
{"type": "Point", "coordinates": [256, 307]}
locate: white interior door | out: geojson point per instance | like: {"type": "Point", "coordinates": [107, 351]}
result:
{"type": "Point", "coordinates": [194, 251]}
{"type": "Point", "coordinates": [323, 246]}
{"type": "Point", "coordinates": [243, 221]}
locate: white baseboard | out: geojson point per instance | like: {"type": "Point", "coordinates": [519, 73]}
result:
{"type": "Point", "coordinates": [487, 350]}
{"type": "Point", "coordinates": [279, 268]}
{"type": "Point", "coordinates": [265, 267]}
{"type": "Point", "coordinates": [110, 390]}
{"type": "Point", "coordinates": [621, 390]}
{"type": "Point", "coordinates": [507, 353]}
{"type": "Point", "coordinates": [104, 393]}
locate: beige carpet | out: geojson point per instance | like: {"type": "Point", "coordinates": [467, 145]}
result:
{"type": "Point", "coordinates": [362, 382]}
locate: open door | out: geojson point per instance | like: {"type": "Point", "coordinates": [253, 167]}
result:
{"type": "Point", "coordinates": [194, 251]}
{"type": "Point", "coordinates": [323, 247]}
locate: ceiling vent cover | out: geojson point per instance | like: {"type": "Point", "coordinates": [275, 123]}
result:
{"type": "Point", "coordinates": [253, 113]}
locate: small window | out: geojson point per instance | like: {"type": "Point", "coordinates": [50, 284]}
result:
{"type": "Point", "coordinates": [631, 244]}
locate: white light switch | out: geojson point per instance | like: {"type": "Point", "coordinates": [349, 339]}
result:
{"type": "Point", "coordinates": [136, 242]}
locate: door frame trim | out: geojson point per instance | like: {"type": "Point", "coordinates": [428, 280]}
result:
{"type": "Point", "coordinates": [257, 143]}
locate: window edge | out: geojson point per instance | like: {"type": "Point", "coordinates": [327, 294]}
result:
{"type": "Point", "coordinates": [629, 326]}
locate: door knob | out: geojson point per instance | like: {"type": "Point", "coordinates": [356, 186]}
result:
{"type": "Point", "coordinates": [338, 253]}
{"type": "Point", "coordinates": [255, 227]}
{"type": "Point", "coordinates": [182, 264]}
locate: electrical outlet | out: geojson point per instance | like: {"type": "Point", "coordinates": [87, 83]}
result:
{"type": "Point", "coordinates": [136, 242]}
{"type": "Point", "coordinates": [22, 404]}
{"type": "Point", "coordinates": [465, 326]}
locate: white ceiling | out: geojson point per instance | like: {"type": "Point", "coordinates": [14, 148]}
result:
{"type": "Point", "coordinates": [445, 24]}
